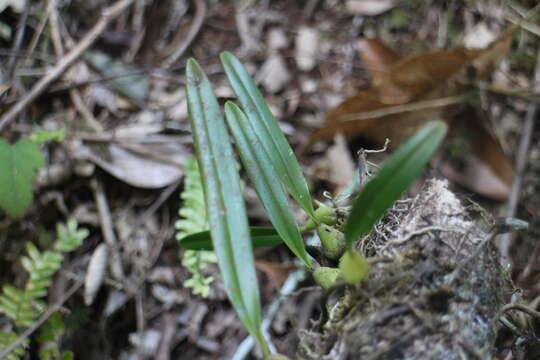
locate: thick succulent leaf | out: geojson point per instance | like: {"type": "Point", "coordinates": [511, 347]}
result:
{"type": "Point", "coordinates": [267, 131]}
{"type": "Point", "coordinates": [225, 205]}
{"type": "Point", "coordinates": [396, 175]}
{"type": "Point", "coordinates": [267, 185]}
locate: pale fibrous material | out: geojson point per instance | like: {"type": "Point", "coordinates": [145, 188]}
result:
{"type": "Point", "coordinates": [435, 287]}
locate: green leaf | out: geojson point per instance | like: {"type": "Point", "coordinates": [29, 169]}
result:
{"type": "Point", "coordinates": [396, 175]}
{"type": "Point", "coordinates": [41, 136]}
{"type": "Point", "coordinates": [268, 132]}
{"type": "Point", "coordinates": [224, 202]}
{"type": "Point", "coordinates": [18, 169]}
{"type": "Point", "coordinates": [260, 237]}
{"type": "Point", "coordinates": [70, 236]}
{"type": "Point", "coordinates": [264, 179]}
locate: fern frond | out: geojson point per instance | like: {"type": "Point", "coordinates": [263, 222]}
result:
{"type": "Point", "coordinates": [50, 335]}
{"type": "Point", "coordinates": [193, 214]}
{"type": "Point", "coordinates": [6, 339]}
{"type": "Point", "coordinates": [14, 304]}
{"type": "Point", "coordinates": [23, 307]}
{"type": "Point", "coordinates": [193, 210]}
{"type": "Point", "coordinates": [70, 236]}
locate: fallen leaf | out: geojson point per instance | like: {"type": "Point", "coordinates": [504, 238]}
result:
{"type": "Point", "coordinates": [369, 7]}
{"type": "Point", "coordinates": [377, 57]}
{"type": "Point", "coordinates": [433, 85]}
{"type": "Point", "coordinates": [306, 48]}
{"type": "Point", "coordinates": [149, 166]}
{"type": "Point", "coordinates": [477, 160]}
{"type": "Point", "coordinates": [95, 273]}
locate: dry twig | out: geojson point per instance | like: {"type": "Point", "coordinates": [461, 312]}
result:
{"type": "Point", "coordinates": [200, 13]}
{"type": "Point", "coordinates": [521, 162]}
{"type": "Point", "coordinates": [107, 230]}
{"type": "Point", "coordinates": [67, 61]}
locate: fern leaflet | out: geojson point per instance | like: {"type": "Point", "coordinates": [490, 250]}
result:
{"type": "Point", "coordinates": [193, 219]}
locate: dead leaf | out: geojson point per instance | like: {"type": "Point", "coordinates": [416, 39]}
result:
{"type": "Point", "coordinates": [480, 164]}
{"type": "Point", "coordinates": [340, 163]}
{"type": "Point", "coordinates": [149, 166]}
{"type": "Point", "coordinates": [369, 7]}
{"type": "Point", "coordinates": [407, 93]}
{"type": "Point", "coordinates": [346, 118]}
{"type": "Point", "coordinates": [95, 273]}
{"type": "Point", "coordinates": [377, 57]}
{"type": "Point", "coordinates": [416, 75]}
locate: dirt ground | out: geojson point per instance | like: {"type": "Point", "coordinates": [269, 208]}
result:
{"type": "Point", "coordinates": [119, 170]}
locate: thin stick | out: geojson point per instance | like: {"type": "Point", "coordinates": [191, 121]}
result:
{"type": "Point", "coordinates": [107, 230]}
{"type": "Point", "coordinates": [521, 163]}
{"type": "Point", "coordinates": [19, 36]}
{"type": "Point", "coordinates": [74, 93]}
{"type": "Point", "coordinates": [200, 13]}
{"type": "Point", "coordinates": [46, 315]}
{"type": "Point", "coordinates": [67, 61]}
{"type": "Point", "coordinates": [415, 106]}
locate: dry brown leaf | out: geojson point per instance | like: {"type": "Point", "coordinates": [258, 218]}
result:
{"type": "Point", "coordinates": [409, 92]}
{"type": "Point", "coordinates": [482, 167]}
{"type": "Point", "coordinates": [377, 57]}
{"type": "Point", "coordinates": [350, 119]}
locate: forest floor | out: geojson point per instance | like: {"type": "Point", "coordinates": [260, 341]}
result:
{"type": "Point", "coordinates": [119, 169]}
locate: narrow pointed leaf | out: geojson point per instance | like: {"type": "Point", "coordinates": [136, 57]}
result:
{"type": "Point", "coordinates": [260, 237]}
{"type": "Point", "coordinates": [396, 175]}
{"type": "Point", "coordinates": [261, 173]}
{"type": "Point", "coordinates": [225, 205]}
{"type": "Point", "coordinates": [267, 131]}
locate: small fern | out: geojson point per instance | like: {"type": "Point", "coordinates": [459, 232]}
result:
{"type": "Point", "coordinates": [8, 338]}
{"type": "Point", "coordinates": [49, 337]}
{"type": "Point", "coordinates": [24, 306]}
{"type": "Point", "coordinates": [193, 219]}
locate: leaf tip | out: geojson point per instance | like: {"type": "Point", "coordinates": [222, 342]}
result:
{"type": "Point", "coordinates": [194, 72]}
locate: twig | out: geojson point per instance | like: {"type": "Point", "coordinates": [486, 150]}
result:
{"type": "Point", "coordinates": [107, 229]}
{"type": "Point", "coordinates": [35, 38]}
{"type": "Point", "coordinates": [59, 49]}
{"type": "Point", "coordinates": [46, 315]}
{"type": "Point", "coordinates": [68, 60]}
{"type": "Point", "coordinates": [21, 26]}
{"type": "Point", "coordinates": [200, 13]}
{"type": "Point", "coordinates": [521, 162]}
{"type": "Point", "coordinates": [168, 323]}
{"type": "Point", "coordinates": [415, 106]}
